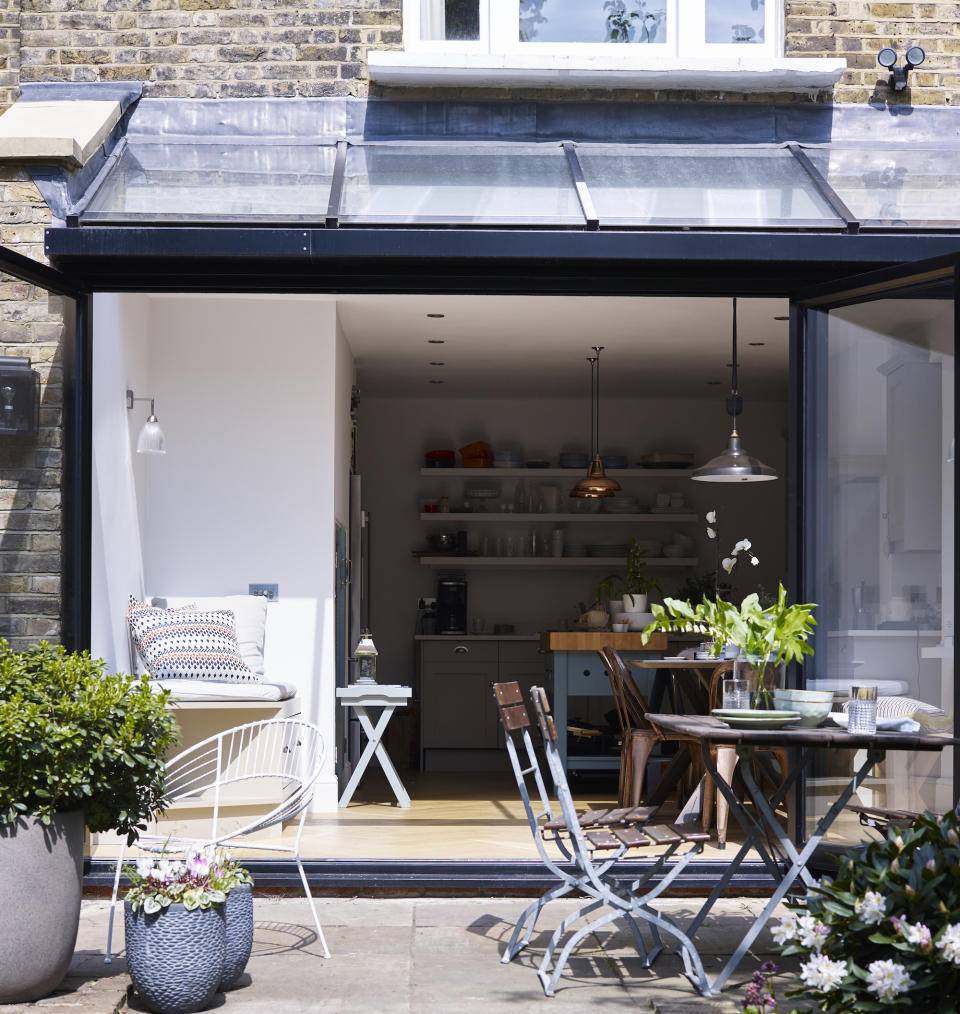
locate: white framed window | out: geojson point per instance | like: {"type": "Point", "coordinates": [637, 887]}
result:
{"type": "Point", "coordinates": [664, 28]}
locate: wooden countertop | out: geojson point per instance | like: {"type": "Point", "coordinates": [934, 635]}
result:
{"type": "Point", "coordinates": [583, 640]}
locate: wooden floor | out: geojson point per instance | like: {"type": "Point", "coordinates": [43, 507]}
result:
{"type": "Point", "coordinates": [452, 816]}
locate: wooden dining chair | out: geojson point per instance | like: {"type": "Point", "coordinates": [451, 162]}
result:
{"type": "Point", "coordinates": [637, 735]}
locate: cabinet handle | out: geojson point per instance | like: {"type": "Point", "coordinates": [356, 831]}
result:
{"type": "Point", "coordinates": [461, 649]}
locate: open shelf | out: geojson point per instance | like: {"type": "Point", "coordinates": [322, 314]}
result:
{"type": "Point", "coordinates": [570, 473]}
{"type": "Point", "coordinates": [554, 562]}
{"type": "Point", "coordinates": [481, 517]}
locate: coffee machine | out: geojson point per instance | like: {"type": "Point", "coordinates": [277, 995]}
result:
{"type": "Point", "coordinates": [452, 604]}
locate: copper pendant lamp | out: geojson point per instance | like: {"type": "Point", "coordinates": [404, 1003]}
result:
{"type": "Point", "coordinates": [595, 485]}
{"type": "Point", "coordinates": [734, 464]}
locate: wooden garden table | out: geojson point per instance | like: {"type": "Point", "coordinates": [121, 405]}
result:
{"type": "Point", "coordinates": [786, 863]}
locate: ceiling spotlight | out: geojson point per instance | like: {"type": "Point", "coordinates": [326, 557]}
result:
{"type": "Point", "coordinates": [436, 341]}
{"type": "Point", "coordinates": [436, 381]}
{"type": "Point", "coordinates": [887, 58]}
{"type": "Point", "coordinates": [756, 345]}
{"type": "Point", "coordinates": [787, 317]}
{"type": "Point", "coordinates": [713, 383]}
{"type": "Point", "coordinates": [438, 364]}
{"type": "Point", "coordinates": [436, 316]}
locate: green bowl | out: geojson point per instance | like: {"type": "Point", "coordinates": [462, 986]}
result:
{"type": "Point", "coordinates": [811, 713]}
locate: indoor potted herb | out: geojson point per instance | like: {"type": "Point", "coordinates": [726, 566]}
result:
{"type": "Point", "coordinates": [78, 747]}
{"type": "Point", "coordinates": [636, 584]}
{"type": "Point", "coordinates": [189, 928]}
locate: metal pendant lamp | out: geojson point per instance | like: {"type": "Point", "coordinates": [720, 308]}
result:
{"type": "Point", "coordinates": [595, 485]}
{"type": "Point", "coordinates": [734, 464]}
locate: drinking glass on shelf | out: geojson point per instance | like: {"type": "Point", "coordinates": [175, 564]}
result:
{"type": "Point", "coordinates": [736, 694]}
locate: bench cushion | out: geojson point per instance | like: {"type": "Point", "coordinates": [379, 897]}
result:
{"type": "Point", "coordinates": [213, 690]}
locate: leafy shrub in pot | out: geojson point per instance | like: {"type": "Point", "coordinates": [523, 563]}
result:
{"type": "Point", "coordinates": [78, 746]}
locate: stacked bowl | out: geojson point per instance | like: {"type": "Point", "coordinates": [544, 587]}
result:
{"type": "Point", "coordinates": [813, 706]}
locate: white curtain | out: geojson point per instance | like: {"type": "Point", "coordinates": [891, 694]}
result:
{"type": "Point", "coordinates": [433, 19]}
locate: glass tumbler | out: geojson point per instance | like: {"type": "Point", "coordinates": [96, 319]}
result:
{"type": "Point", "coordinates": [736, 694]}
{"type": "Point", "coordinates": [862, 711]}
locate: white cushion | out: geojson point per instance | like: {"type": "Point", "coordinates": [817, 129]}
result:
{"type": "Point", "coordinates": [250, 614]}
{"type": "Point", "coordinates": [212, 690]}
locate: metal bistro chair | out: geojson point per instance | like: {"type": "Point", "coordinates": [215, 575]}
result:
{"type": "Point", "coordinates": [591, 845]}
{"type": "Point", "coordinates": [280, 757]}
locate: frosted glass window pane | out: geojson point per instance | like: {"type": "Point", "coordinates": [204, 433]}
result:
{"type": "Point", "coordinates": [450, 20]}
{"type": "Point", "coordinates": [463, 184]}
{"type": "Point", "coordinates": [681, 185]}
{"type": "Point", "coordinates": [894, 187]}
{"type": "Point", "coordinates": [640, 21]}
{"type": "Point", "coordinates": [216, 182]}
{"type": "Point", "coordinates": [739, 21]}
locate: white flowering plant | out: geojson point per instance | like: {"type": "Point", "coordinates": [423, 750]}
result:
{"type": "Point", "coordinates": [202, 879]}
{"type": "Point", "coordinates": [884, 933]}
{"type": "Point", "coordinates": [728, 563]}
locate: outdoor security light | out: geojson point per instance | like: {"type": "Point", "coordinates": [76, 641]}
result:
{"type": "Point", "coordinates": [887, 58]}
{"type": "Point", "coordinates": [151, 439]}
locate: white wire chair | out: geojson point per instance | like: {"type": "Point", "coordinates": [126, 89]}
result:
{"type": "Point", "coordinates": [284, 755]}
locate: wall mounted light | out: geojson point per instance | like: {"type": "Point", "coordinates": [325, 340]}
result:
{"type": "Point", "coordinates": [734, 464]}
{"type": "Point", "coordinates": [151, 439]}
{"type": "Point", "coordinates": [887, 58]}
{"type": "Point", "coordinates": [19, 396]}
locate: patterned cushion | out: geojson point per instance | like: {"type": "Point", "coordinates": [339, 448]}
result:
{"type": "Point", "coordinates": [188, 645]}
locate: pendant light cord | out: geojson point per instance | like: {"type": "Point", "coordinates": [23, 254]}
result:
{"type": "Point", "coordinates": [734, 379]}
{"type": "Point", "coordinates": [596, 409]}
{"type": "Point", "coordinates": [592, 360]}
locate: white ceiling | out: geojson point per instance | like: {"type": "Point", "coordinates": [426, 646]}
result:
{"type": "Point", "coordinates": [517, 346]}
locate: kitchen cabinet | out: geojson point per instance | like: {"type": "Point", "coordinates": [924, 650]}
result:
{"type": "Point", "coordinates": [459, 726]}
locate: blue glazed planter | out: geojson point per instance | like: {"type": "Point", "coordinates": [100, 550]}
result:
{"type": "Point", "coordinates": [175, 957]}
{"type": "Point", "coordinates": [239, 913]}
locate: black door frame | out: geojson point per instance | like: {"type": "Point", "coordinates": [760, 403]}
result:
{"type": "Point", "coordinates": [224, 260]}
{"type": "Point", "coordinates": [76, 479]}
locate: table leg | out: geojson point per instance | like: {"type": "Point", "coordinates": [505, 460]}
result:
{"type": "Point", "coordinates": [374, 747]}
{"type": "Point", "coordinates": [779, 841]}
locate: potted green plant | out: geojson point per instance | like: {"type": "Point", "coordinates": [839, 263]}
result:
{"type": "Point", "coordinates": [765, 638]}
{"type": "Point", "coordinates": [188, 927]}
{"type": "Point", "coordinates": [636, 584]}
{"type": "Point", "coordinates": [78, 747]}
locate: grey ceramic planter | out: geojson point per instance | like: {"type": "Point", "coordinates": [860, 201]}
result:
{"type": "Point", "coordinates": [239, 910]}
{"type": "Point", "coordinates": [41, 879]}
{"type": "Point", "coordinates": [175, 957]}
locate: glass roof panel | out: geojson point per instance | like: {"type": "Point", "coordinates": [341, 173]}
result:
{"type": "Point", "coordinates": [459, 184]}
{"type": "Point", "coordinates": [702, 186]}
{"type": "Point", "coordinates": [894, 188]}
{"type": "Point", "coordinates": [216, 182]}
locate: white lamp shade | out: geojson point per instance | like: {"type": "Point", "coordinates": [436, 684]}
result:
{"type": "Point", "coordinates": [151, 439]}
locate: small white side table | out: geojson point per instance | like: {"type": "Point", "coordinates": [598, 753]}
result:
{"type": "Point", "coordinates": [361, 696]}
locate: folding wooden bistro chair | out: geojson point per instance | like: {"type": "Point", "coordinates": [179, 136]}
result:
{"type": "Point", "coordinates": [591, 845]}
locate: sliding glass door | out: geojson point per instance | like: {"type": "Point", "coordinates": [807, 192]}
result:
{"type": "Point", "coordinates": [876, 495]}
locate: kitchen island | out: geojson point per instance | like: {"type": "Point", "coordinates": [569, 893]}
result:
{"type": "Point", "coordinates": [578, 672]}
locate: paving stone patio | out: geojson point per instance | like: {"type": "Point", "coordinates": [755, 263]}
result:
{"type": "Point", "coordinates": [424, 956]}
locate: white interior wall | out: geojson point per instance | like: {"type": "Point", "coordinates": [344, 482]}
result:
{"type": "Point", "coordinates": [120, 361]}
{"type": "Point", "coordinates": [395, 432]}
